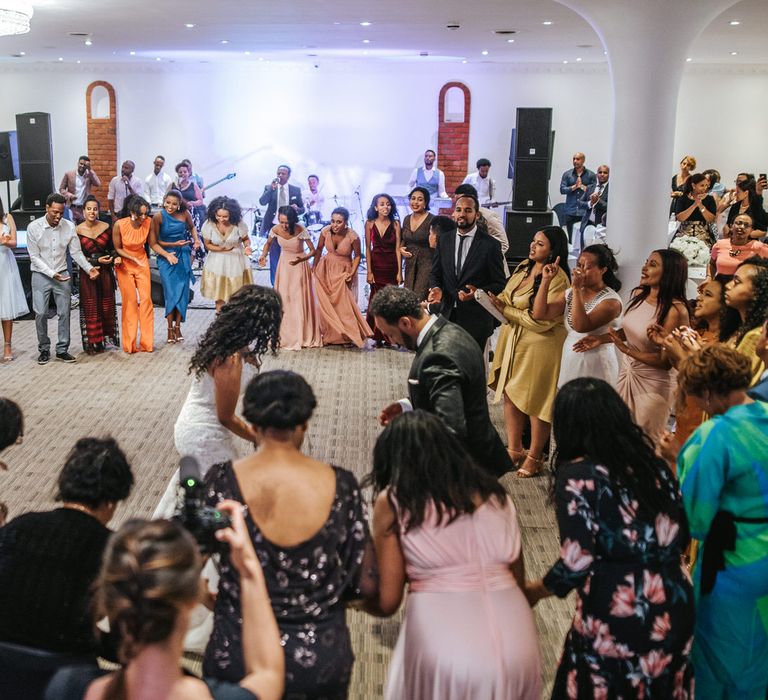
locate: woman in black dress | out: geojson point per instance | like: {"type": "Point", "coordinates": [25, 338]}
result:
{"type": "Point", "coordinates": [622, 532]}
{"type": "Point", "coordinates": [696, 210]}
{"type": "Point", "coordinates": [306, 521]}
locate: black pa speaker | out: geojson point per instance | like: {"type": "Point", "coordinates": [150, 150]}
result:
{"type": "Point", "coordinates": [22, 219]}
{"type": "Point", "coordinates": [9, 156]}
{"type": "Point", "coordinates": [35, 158]}
{"type": "Point", "coordinates": [530, 188]}
{"type": "Point", "coordinates": [521, 227]}
{"type": "Point", "coordinates": [533, 133]}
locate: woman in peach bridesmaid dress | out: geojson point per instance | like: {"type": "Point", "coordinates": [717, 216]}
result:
{"type": "Point", "coordinates": [293, 282]}
{"type": "Point", "coordinates": [341, 321]}
{"type": "Point", "coordinates": [449, 530]}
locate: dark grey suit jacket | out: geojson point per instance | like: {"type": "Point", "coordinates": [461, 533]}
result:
{"type": "Point", "coordinates": [601, 208]}
{"type": "Point", "coordinates": [447, 378]}
{"type": "Point", "coordinates": [269, 197]}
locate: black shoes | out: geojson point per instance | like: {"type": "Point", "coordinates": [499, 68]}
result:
{"type": "Point", "coordinates": [43, 357]}
{"type": "Point", "coordinates": [64, 357]}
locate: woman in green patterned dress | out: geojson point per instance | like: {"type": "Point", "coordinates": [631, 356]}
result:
{"type": "Point", "coordinates": [723, 471]}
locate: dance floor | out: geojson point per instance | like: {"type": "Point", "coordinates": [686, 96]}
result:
{"type": "Point", "coordinates": [136, 398]}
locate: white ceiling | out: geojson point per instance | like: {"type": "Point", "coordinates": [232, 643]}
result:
{"type": "Point", "coordinates": [318, 31]}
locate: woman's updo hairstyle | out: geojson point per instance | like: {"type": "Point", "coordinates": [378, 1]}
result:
{"type": "Point", "coordinates": [150, 570]}
{"type": "Point", "coordinates": [606, 258]}
{"type": "Point", "coordinates": [279, 399]}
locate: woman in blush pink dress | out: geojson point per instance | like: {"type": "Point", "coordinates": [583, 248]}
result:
{"type": "Point", "coordinates": [450, 531]}
{"type": "Point", "coordinates": [336, 283]}
{"type": "Point", "coordinates": [293, 281]}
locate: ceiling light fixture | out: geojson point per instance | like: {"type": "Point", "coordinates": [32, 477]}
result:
{"type": "Point", "coordinates": [158, 58]}
{"type": "Point", "coordinates": [189, 25]}
{"type": "Point", "coordinates": [15, 16]}
{"type": "Point", "coordinates": [22, 53]}
{"type": "Point", "coordinates": [247, 53]}
{"type": "Point", "coordinates": [366, 41]}
{"type": "Point", "coordinates": [485, 53]}
{"type": "Point", "coordinates": [365, 24]}
{"type": "Point", "coordinates": [578, 60]}
{"type": "Point", "coordinates": [510, 41]}
{"type": "Point", "coordinates": [464, 61]}
{"type": "Point", "coordinates": [132, 53]}
{"type": "Point", "coordinates": [688, 60]}
{"type": "Point", "coordinates": [734, 23]}
{"type": "Point", "coordinates": [61, 58]}
{"type": "Point", "coordinates": [565, 61]}
{"type": "Point", "coordinates": [89, 42]}
{"type": "Point", "coordinates": [734, 53]}
{"type": "Point", "coordinates": [547, 23]}
{"type": "Point", "coordinates": [224, 41]}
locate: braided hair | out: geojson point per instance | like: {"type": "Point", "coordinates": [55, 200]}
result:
{"type": "Point", "coordinates": [151, 569]}
{"type": "Point", "coordinates": [250, 319]}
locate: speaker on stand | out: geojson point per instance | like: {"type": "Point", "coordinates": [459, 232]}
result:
{"type": "Point", "coordinates": [33, 130]}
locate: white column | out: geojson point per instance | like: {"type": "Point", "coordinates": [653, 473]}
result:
{"type": "Point", "coordinates": [647, 43]}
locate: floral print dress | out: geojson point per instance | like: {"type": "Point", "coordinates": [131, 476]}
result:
{"type": "Point", "coordinates": [633, 625]}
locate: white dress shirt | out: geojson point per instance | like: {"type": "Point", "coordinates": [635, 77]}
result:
{"type": "Point", "coordinates": [47, 247]}
{"type": "Point", "coordinates": [283, 200]}
{"type": "Point", "coordinates": [469, 237]}
{"type": "Point", "coordinates": [485, 186]}
{"type": "Point", "coordinates": [80, 187]}
{"type": "Point", "coordinates": [157, 186]}
{"type": "Point", "coordinates": [118, 190]}
{"type": "Point", "coordinates": [429, 175]}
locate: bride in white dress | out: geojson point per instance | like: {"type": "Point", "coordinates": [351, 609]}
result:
{"type": "Point", "coordinates": [226, 358]}
{"type": "Point", "coordinates": [13, 301]}
{"type": "Point", "coordinates": [590, 307]}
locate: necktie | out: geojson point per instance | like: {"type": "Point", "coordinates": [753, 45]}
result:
{"type": "Point", "coordinates": [283, 199]}
{"type": "Point", "coordinates": [458, 258]}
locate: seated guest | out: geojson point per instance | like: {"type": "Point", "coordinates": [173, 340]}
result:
{"type": "Point", "coordinates": [450, 530]}
{"type": "Point", "coordinates": [745, 200]}
{"type": "Point", "coordinates": [148, 585]}
{"type": "Point", "coordinates": [728, 253]}
{"type": "Point", "coordinates": [695, 209]}
{"type": "Point", "coordinates": [49, 560]}
{"type": "Point", "coordinates": [723, 471]}
{"type": "Point", "coordinates": [306, 521]}
{"type": "Point", "coordinates": [11, 433]}
{"type": "Point", "coordinates": [622, 532]}
{"type": "Point", "coordinates": [595, 203]}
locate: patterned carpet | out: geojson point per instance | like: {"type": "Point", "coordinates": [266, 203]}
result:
{"type": "Point", "coordinates": [136, 399]}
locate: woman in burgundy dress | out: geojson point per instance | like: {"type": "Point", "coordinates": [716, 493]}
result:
{"type": "Point", "coordinates": [382, 251]}
{"type": "Point", "coordinates": [98, 312]}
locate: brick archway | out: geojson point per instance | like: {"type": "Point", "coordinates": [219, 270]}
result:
{"type": "Point", "coordinates": [102, 139]}
{"type": "Point", "coordinates": [453, 139]}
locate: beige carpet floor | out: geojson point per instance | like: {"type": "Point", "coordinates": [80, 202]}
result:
{"type": "Point", "coordinates": [136, 398]}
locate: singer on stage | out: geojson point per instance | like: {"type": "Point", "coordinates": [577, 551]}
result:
{"type": "Point", "coordinates": [278, 194]}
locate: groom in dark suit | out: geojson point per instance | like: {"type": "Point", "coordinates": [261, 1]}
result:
{"type": "Point", "coordinates": [278, 194]}
{"type": "Point", "coordinates": [447, 376]}
{"type": "Point", "coordinates": [463, 262]}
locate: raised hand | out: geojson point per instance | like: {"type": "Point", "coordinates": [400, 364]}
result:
{"type": "Point", "coordinates": [549, 270]}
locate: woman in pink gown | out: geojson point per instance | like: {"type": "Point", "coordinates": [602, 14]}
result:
{"type": "Point", "coordinates": [293, 281]}
{"type": "Point", "coordinates": [646, 379]}
{"type": "Point", "coordinates": [336, 283]}
{"type": "Point", "coordinates": [450, 531]}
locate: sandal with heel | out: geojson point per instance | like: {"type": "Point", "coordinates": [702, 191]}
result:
{"type": "Point", "coordinates": [517, 456]}
{"type": "Point", "coordinates": [530, 467]}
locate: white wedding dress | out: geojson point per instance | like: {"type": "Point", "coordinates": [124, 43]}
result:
{"type": "Point", "coordinates": [198, 433]}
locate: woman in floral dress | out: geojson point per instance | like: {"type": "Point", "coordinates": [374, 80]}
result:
{"type": "Point", "coordinates": [622, 532]}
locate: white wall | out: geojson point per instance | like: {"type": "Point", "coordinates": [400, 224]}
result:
{"type": "Point", "coordinates": [367, 125]}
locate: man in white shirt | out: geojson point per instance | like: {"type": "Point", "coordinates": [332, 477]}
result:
{"type": "Point", "coordinates": [76, 185]}
{"type": "Point", "coordinates": [429, 177]}
{"type": "Point", "coordinates": [157, 183]}
{"type": "Point", "coordinates": [482, 181]}
{"type": "Point", "coordinates": [48, 240]}
{"type": "Point", "coordinates": [313, 197]}
{"type": "Point", "coordinates": [122, 186]}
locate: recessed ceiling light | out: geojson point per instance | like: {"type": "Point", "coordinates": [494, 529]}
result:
{"type": "Point", "coordinates": [366, 41]}
{"type": "Point", "coordinates": [61, 58]}
{"type": "Point", "coordinates": [158, 58]}
{"type": "Point", "coordinates": [365, 24]}
{"type": "Point", "coordinates": [78, 61]}
{"type": "Point", "coordinates": [578, 60]}
{"type": "Point", "coordinates": [565, 61]}
{"type": "Point", "coordinates": [605, 53]}
{"type": "Point", "coordinates": [464, 61]}
{"type": "Point", "coordinates": [189, 25]}
{"type": "Point", "coordinates": [485, 53]}
{"type": "Point", "coordinates": [261, 58]}
{"type": "Point", "coordinates": [132, 53]}
{"type": "Point", "coordinates": [337, 23]}
{"type": "Point", "coordinates": [88, 42]}
{"type": "Point", "coordinates": [247, 53]}
{"type": "Point", "coordinates": [510, 41]}
{"type": "Point", "coordinates": [224, 41]}
{"type": "Point", "coordinates": [734, 23]}
{"type": "Point", "coordinates": [547, 23]}
{"type": "Point", "coordinates": [365, 53]}
{"type": "Point", "coordinates": [688, 60]}
{"type": "Point", "coordinates": [734, 53]}
{"type": "Point", "coordinates": [22, 53]}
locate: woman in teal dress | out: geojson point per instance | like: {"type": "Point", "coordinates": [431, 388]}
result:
{"type": "Point", "coordinates": [723, 471]}
{"type": "Point", "coordinates": [168, 238]}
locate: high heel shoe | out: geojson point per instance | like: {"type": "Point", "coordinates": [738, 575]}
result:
{"type": "Point", "coordinates": [530, 467]}
{"type": "Point", "coordinates": [7, 352]}
{"type": "Point", "coordinates": [177, 333]}
{"type": "Point", "coordinates": [517, 456]}
{"type": "Point", "coordinates": [171, 336]}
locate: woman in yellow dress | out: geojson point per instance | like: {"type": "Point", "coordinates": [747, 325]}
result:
{"type": "Point", "coordinates": [526, 362]}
